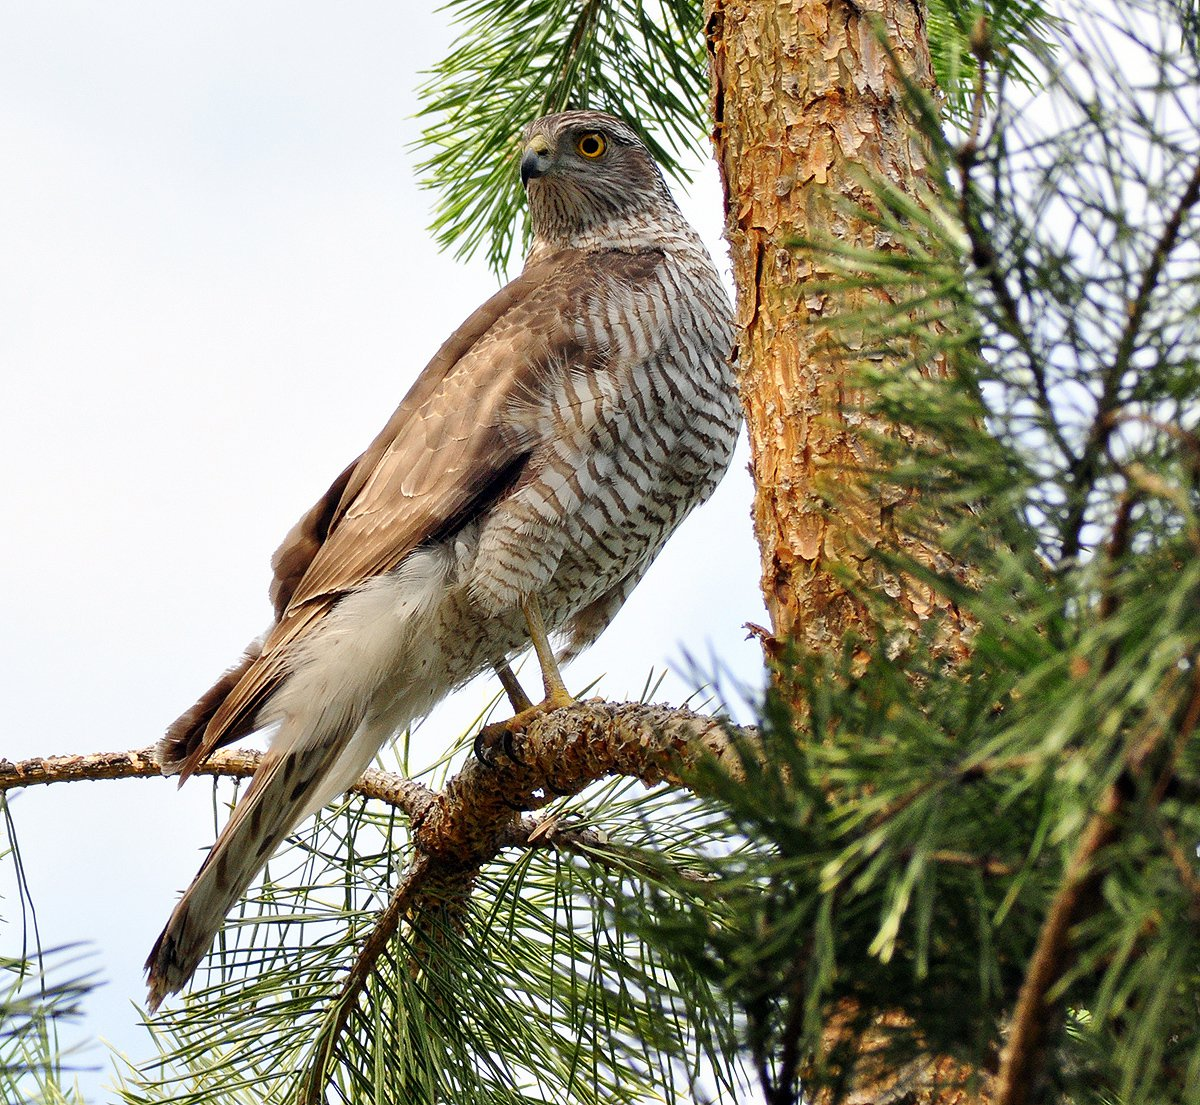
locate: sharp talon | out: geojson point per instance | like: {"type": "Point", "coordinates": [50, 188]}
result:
{"type": "Point", "coordinates": [508, 743]}
{"type": "Point", "coordinates": [499, 736]}
{"type": "Point", "coordinates": [516, 807]}
{"type": "Point", "coordinates": [489, 739]}
{"type": "Point", "coordinates": [558, 793]}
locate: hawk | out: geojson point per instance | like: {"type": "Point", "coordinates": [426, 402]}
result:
{"type": "Point", "coordinates": [523, 486]}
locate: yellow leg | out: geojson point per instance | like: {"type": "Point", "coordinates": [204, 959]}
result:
{"type": "Point", "coordinates": [557, 695]}
{"type": "Point", "coordinates": [556, 691]}
{"type": "Point", "coordinates": [512, 687]}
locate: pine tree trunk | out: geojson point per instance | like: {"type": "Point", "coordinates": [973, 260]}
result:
{"type": "Point", "coordinates": [805, 99]}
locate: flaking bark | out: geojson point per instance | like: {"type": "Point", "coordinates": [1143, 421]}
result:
{"type": "Point", "coordinates": [806, 98]}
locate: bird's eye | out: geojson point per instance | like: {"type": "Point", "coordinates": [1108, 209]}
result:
{"type": "Point", "coordinates": [591, 144]}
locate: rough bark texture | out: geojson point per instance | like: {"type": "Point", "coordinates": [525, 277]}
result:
{"type": "Point", "coordinates": [806, 100]}
{"type": "Point", "coordinates": [475, 815]}
{"type": "Point", "coordinates": [465, 825]}
{"type": "Point", "coordinates": [805, 97]}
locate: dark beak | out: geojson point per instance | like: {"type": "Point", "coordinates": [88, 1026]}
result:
{"type": "Point", "coordinates": [534, 163]}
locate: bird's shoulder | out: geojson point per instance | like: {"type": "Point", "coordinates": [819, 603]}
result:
{"type": "Point", "coordinates": [447, 452]}
{"type": "Point", "coordinates": [446, 443]}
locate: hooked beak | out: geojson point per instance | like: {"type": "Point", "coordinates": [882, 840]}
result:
{"type": "Point", "coordinates": [536, 160]}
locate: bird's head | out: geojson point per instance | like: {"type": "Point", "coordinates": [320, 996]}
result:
{"type": "Point", "coordinates": [590, 181]}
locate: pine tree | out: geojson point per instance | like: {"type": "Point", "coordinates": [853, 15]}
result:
{"type": "Point", "coordinates": [962, 842]}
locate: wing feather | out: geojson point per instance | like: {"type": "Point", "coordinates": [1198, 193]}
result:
{"type": "Point", "coordinates": [448, 451]}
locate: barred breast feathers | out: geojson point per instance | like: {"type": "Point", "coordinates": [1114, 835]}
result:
{"type": "Point", "coordinates": [548, 449]}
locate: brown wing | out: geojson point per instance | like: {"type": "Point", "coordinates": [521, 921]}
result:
{"type": "Point", "coordinates": [445, 454]}
{"type": "Point", "coordinates": [300, 547]}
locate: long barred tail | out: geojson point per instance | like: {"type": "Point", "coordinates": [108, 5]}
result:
{"type": "Point", "coordinates": [361, 674]}
{"type": "Point", "coordinates": [279, 797]}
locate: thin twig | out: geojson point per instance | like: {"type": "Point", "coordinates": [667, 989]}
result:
{"type": "Point", "coordinates": [1155, 486]}
{"type": "Point", "coordinates": [787, 1083]}
{"type": "Point", "coordinates": [1026, 1039]}
{"type": "Point", "coordinates": [987, 260]}
{"type": "Point", "coordinates": [386, 786]}
{"type": "Point", "coordinates": [338, 1013]}
{"type": "Point", "coordinates": [969, 772]}
{"type": "Point", "coordinates": [137, 763]}
{"type": "Point", "coordinates": [1187, 438]}
{"type": "Point", "coordinates": [1191, 720]}
{"type": "Point", "coordinates": [594, 846]}
{"type": "Point", "coordinates": [1183, 868]}
{"type": "Point", "coordinates": [1110, 600]}
{"type": "Point", "coordinates": [985, 864]}
{"type": "Point", "coordinates": [1086, 468]}
{"type": "Point", "coordinates": [1025, 1046]}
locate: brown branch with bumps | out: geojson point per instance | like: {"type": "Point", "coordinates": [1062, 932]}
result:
{"type": "Point", "coordinates": [406, 794]}
{"type": "Point", "coordinates": [478, 814]}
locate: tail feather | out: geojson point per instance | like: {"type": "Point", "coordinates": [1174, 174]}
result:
{"type": "Point", "coordinates": [352, 679]}
{"type": "Point", "coordinates": [279, 798]}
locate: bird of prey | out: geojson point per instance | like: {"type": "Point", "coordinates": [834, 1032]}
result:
{"type": "Point", "coordinates": [523, 486]}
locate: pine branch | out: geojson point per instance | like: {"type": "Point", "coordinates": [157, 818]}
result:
{"type": "Point", "coordinates": [1026, 1041]}
{"type": "Point", "coordinates": [983, 252]}
{"type": "Point", "coordinates": [1025, 1048]}
{"type": "Point", "coordinates": [38, 995]}
{"type": "Point", "coordinates": [594, 846]}
{"type": "Point", "coordinates": [517, 59]}
{"type": "Point", "coordinates": [338, 1013]}
{"type": "Point", "coordinates": [396, 790]}
{"type": "Point", "coordinates": [474, 816]}
{"type": "Point", "coordinates": [1086, 468]}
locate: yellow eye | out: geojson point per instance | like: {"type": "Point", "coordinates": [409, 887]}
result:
{"type": "Point", "coordinates": [591, 144]}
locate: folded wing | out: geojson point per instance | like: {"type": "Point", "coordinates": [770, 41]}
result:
{"type": "Point", "coordinates": [446, 453]}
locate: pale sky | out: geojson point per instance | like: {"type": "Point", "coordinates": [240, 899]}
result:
{"type": "Point", "coordinates": [216, 283]}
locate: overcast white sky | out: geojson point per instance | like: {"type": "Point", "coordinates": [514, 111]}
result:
{"type": "Point", "coordinates": [215, 285]}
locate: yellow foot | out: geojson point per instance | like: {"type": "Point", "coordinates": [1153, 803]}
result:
{"type": "Point", "coordinates": [499, 734]}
